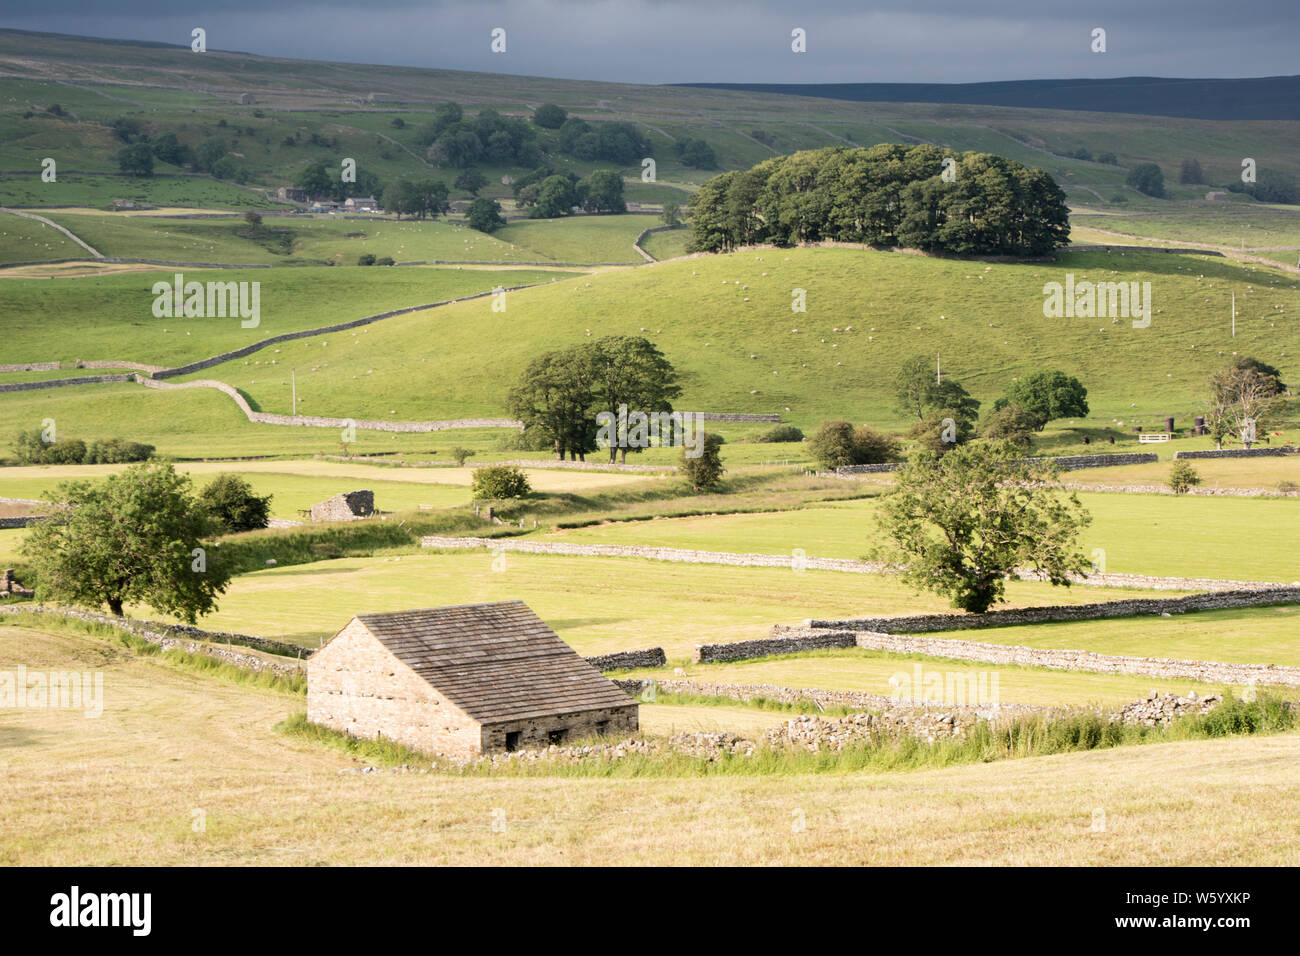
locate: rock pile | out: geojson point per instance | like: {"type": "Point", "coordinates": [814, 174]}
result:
{"type": "Point", "coordinates": [1157, 710]}
{"type": "Point", "coordinates": [818, 733]}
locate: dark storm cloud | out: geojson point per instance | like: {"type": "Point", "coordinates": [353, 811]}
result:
{"type": "Point", "coordinates": [661, 41]}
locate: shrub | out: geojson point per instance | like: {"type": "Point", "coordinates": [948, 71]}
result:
{"type": "Point", "coordinates": [781, 433]}
{"type": "Point", "coordinates": [231, 502]}
{"type": "Point", "coordinates": [30, 449]}
{"type": "Point", "coordinates": [836, 444]}
{"type": "Point", "coordinates": [1288, 487]}
{"type": "Point", "coordinates": [366, 260]}
{"type": "Point", "coordinates": [459, 454]}
{"type": "Point", "coordinates": [705, 471]}
{"type": "Point", "coordinates": [385, 261]}
{"type": "Point", "coordinates": [1182, 477]}
{"type": "Point", "coordinates": [1011, 422]}
{"type": "Point", "coordinates": [871, 447]}
{"type": "Point", "coordinates": [499, 481]}
{"type": "Point", "coordinates": [113, 451]}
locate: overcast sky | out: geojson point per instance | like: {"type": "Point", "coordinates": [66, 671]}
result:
{"type": "Point", "coordinates": [668, 41]}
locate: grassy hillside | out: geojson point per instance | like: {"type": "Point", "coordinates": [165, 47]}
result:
{"type": "Point", "coordinates": [725, 322]}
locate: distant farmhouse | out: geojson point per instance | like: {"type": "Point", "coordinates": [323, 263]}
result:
{"type": "Point", "coordinates": [325, 206]}
{"type": "Point", "coordinates": [361, 204]}
{"type": "Point", "coordinates": [461, 681]}
{"type": "Point", "coordinates": [291, 194]}
{"type": "Point", "coordinates": [348, 506]}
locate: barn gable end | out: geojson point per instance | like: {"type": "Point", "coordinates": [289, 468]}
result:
{"type": "Point", "coordinates": [460, 681]}
{"type": "Point", "coordinates": [356, 685]}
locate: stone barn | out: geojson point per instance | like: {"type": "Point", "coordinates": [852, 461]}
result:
{"type": "Point", "coordinates": [461, 681]}
{"type": "Point", "coordinates": [348, 506]}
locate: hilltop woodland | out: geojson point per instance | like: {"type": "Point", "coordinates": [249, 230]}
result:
{"type": "Point", "coordinates": [916, 197]}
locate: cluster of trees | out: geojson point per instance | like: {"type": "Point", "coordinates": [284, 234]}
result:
{"type": "Point", "coordinates": [614, 142]}
{"type": "Point", "coordinates": [887, 195]}
{"type": "Point", "coordinates": [561, 392]}
{"type": "Point", "coordinates": [319, 181]}
{"type": "Point", "coordinates": [30, 449]}
{"type": "Point", "coordinates": [1085, 154]}
{"type": "Point", "coordinates": [416, 197]}
{"type": "Point", "coordinates": [696, 153]}
{"type": "Point", "coordinates": [1147, 178]}
{"type": "Point", "coordinates": [1271, 186]}
{"type": "Point", "coordinates": [1244, 399]}
{"type": "Point", "coordinates": [947, 416]}
{"type": "Point", "coordinates": [548, 195]}
{"type": "Point", "coordinates": [454, 140]}
{"type": "Point", "coordinates": [212, 155]}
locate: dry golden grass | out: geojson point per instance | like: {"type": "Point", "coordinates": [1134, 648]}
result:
{"type": "Point", "coordinates": [124, 789]}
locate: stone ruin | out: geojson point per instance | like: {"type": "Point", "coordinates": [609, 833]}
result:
{"type": "Point", "coordinates": [349, 506]}
{"type": "Point", "coordinates": [10, 587]}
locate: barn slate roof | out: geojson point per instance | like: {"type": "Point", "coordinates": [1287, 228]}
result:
{"type": "Point", "coordinates": [496, 662]}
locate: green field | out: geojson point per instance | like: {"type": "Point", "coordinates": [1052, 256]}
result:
{"type": "Point", "coordinates": [46, 320]}
{"type": "Point", "coordinates": [338, 241]}
{"type": "Point", "coordinates": [99, 189]}
{"type": "Point", "coordinates": [1247, 227]}
{"type": "Point", "coordinates": [26, 240]}
{"type": "Point", "coordinates": [667, 244]}
{"type": "Point", "coordinates": [582, 239]}
{"type": "Point", "coordinates": [1139, 534]}
{"type": "Point", "coordinates": [597, 605]}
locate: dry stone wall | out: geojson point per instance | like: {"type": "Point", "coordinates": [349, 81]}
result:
{"type": "Point", "coordinates": [1280, 451]}
{"type": "Point", "coordinates": [1064, 462]}
{"type": "Point", "coordinates": [182, 637]}
{"type": "Point", "coordinates": [313, 421]}
{"type": "Point", "coordinates": [925, 623]}
{"type": "Point", "coordinates": [60, 382]}
{"type": "Point", "coordinates": [899, 634]}
{"type": "Point", "coordinates": [626, 660]}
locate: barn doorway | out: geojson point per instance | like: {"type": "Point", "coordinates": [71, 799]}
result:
{"type": "Point", "coordinates": [512, 740]}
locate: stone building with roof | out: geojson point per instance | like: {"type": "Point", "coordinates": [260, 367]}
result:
{"type": "Point", "coordinates": [461, 681]}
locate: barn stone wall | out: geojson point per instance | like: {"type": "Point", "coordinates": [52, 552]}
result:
{"type": "Point", "coordinates": [561, 728]}
{"type": "Point", "coordinates": [356, 685]}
